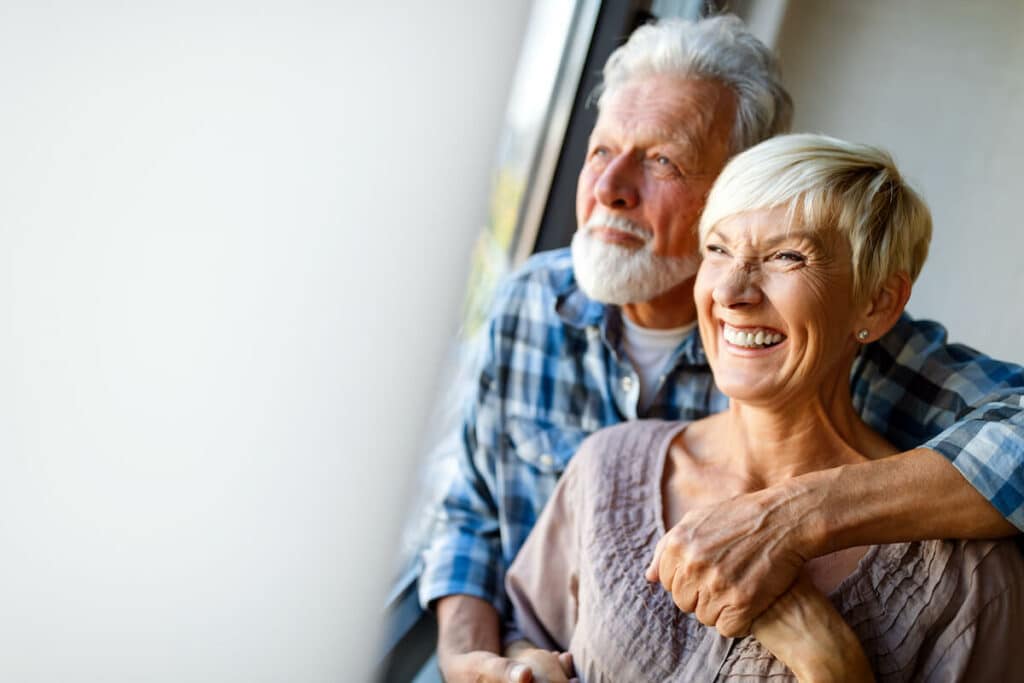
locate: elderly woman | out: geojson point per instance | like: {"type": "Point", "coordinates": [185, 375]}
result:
{"type": "Point", "coordinates": [810, 246]}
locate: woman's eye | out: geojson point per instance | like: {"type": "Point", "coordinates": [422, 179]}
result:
{"type": "Point", "coordinates": [790, 256]}
{"type": "Point", "coordinates": [715, 249]}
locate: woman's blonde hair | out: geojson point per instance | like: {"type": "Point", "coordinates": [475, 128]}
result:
{"type": "Point", "coordinates": [831, 184]}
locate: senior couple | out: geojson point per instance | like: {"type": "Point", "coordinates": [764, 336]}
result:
{"type": "Point", "coordinates": [778, 520]}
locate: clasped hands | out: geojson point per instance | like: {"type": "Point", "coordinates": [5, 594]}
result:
{"type": "Point", "coordinates": [729, 561]}
{"type": "Point", "coordinates": [521, 663]}
{"type": "Point", "coordinates": [737, 565]}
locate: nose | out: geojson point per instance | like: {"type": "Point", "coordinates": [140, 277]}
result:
{"type": "Point", "coordinates": [617, 187]}
{"type": "Point", "coordinates": [738, 287]}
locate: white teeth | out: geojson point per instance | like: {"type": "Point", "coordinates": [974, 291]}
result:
{"type": "Point", "coordinates": [756, 338]}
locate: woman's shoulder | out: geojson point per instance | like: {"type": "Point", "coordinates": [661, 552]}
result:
{"type": "Point", "coordinates": [962, 569]}
{"type": "Point", "coordinates": [962, 577]}
{"type": "Point", "coordinates": [982, 611]}
{"type": "Point", "coordinates": [989, 569]}
{"type": "Point", "coordinates": [915, 605]}
{"type": "Point", "coordinates": [626, 443]}
{"type": "Point", "coordinates": [631, 452]}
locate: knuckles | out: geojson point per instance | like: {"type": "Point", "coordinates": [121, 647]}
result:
{"type": "Point", "coordinates": [731, 627]}
{"type": "Point", "coordinates": [707, 574]}
{"type": "Point", "coordinates": [742, 600]}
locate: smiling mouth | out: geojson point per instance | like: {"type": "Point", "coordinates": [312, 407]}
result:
{"type": "Point", "coordinates": [752, 337]}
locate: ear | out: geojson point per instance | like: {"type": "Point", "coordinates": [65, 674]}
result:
{"type": "Point", "coordinates": [883, 309]}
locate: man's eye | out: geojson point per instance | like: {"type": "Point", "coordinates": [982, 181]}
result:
{"type": "Point", "coordinates": [663, 166]}
{"type": "Point", "coordinates": [664, 163]}
{"type": "Point", "coordinates": [599, 152]}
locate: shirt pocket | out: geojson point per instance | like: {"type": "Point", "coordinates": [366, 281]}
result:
{"type": "Point", "coordinates": [545, 446]}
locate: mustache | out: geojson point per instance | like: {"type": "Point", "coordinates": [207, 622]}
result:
{"type": "Point", "coordinates": [620, 223]}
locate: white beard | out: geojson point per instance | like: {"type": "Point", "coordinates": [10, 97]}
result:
{"type": "Point", "coordinates": [614, 274]}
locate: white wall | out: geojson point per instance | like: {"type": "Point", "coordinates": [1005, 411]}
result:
{"type": "Point", "coordinates": [940, 84]}
{"type": "Point", "coordinates": [233, 236]}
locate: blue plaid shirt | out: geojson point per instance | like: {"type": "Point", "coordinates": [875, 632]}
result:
{"type": "Point", "coordinates": [553, 372]}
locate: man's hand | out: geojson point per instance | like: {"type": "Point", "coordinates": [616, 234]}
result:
{"type": "Point", "coordinates": [468, 643]}
{"type": "Point", "coordinates": [727, 562]}
{"type": "Point", "coordinates": [487, 667]}
{"type": "Point", "coordinates": [547, 666]}
{"type": "Point", "coordinates": [523, 663]}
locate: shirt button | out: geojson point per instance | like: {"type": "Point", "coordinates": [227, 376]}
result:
{"type": "Point", "coordinates": [547, 460]}
{"type": "Point", "coordinates": [627, 384]}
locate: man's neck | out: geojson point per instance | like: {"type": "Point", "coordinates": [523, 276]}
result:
{"type": "Point", "coordinates": [671, 309]}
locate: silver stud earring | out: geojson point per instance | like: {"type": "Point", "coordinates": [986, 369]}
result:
{"type": "Point", "coordinates": [863, 335]}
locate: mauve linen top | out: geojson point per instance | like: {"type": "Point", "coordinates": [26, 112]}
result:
{"type": "Point", "coordinates": [931, 611]}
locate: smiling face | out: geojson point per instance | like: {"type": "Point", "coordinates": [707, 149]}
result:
{"type": "Point", "coordinates": [775, 307]}
{"type": "Point", "coordinates": [658, 145]}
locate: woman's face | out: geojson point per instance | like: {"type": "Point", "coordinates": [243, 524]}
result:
{"type": "Point", "coordinates": [775, 308]}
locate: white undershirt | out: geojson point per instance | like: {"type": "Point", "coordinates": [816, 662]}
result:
{"type": "Point", "coordinates": [649, 350]}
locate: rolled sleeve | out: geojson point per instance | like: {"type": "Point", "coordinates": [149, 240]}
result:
{"type": "Point", "coordinates": [987, 448]}
{"type": "Point", "coordinates": [464, 558]}
{"type": "Point", "coordinates": [919, 390]}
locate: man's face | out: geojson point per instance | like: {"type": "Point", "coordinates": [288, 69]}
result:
{"type": "Point", "coordinates": [658, 145]}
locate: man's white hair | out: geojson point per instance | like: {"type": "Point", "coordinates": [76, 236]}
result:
{"type": "Point", "coordinates": [721, 49]}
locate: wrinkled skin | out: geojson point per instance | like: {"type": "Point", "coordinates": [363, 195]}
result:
{"type": "Point", "coordinates": [728, 561]}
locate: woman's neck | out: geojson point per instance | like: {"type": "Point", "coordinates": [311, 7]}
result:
{"type": "Point", "coordinates": [768, 443]}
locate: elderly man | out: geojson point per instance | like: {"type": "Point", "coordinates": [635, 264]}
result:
{"type": "Point", "coordinates": [586, 339]}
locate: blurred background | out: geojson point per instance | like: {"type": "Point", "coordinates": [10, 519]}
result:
{"type": "Point", "coordinates": [234, 239]}
{"type": "Point", "coordinates": [245, 246]}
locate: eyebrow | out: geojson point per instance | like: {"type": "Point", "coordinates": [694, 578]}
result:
{"type": "Point", "coordinates": [686, 143]}
{"type": "Point", "coordinates": [809, 235]}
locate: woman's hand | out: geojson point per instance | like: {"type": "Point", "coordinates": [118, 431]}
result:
{"type": "Point", "coordinates": [548, 666]}
{"type": "Point", "coordinates": [806, 633]}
